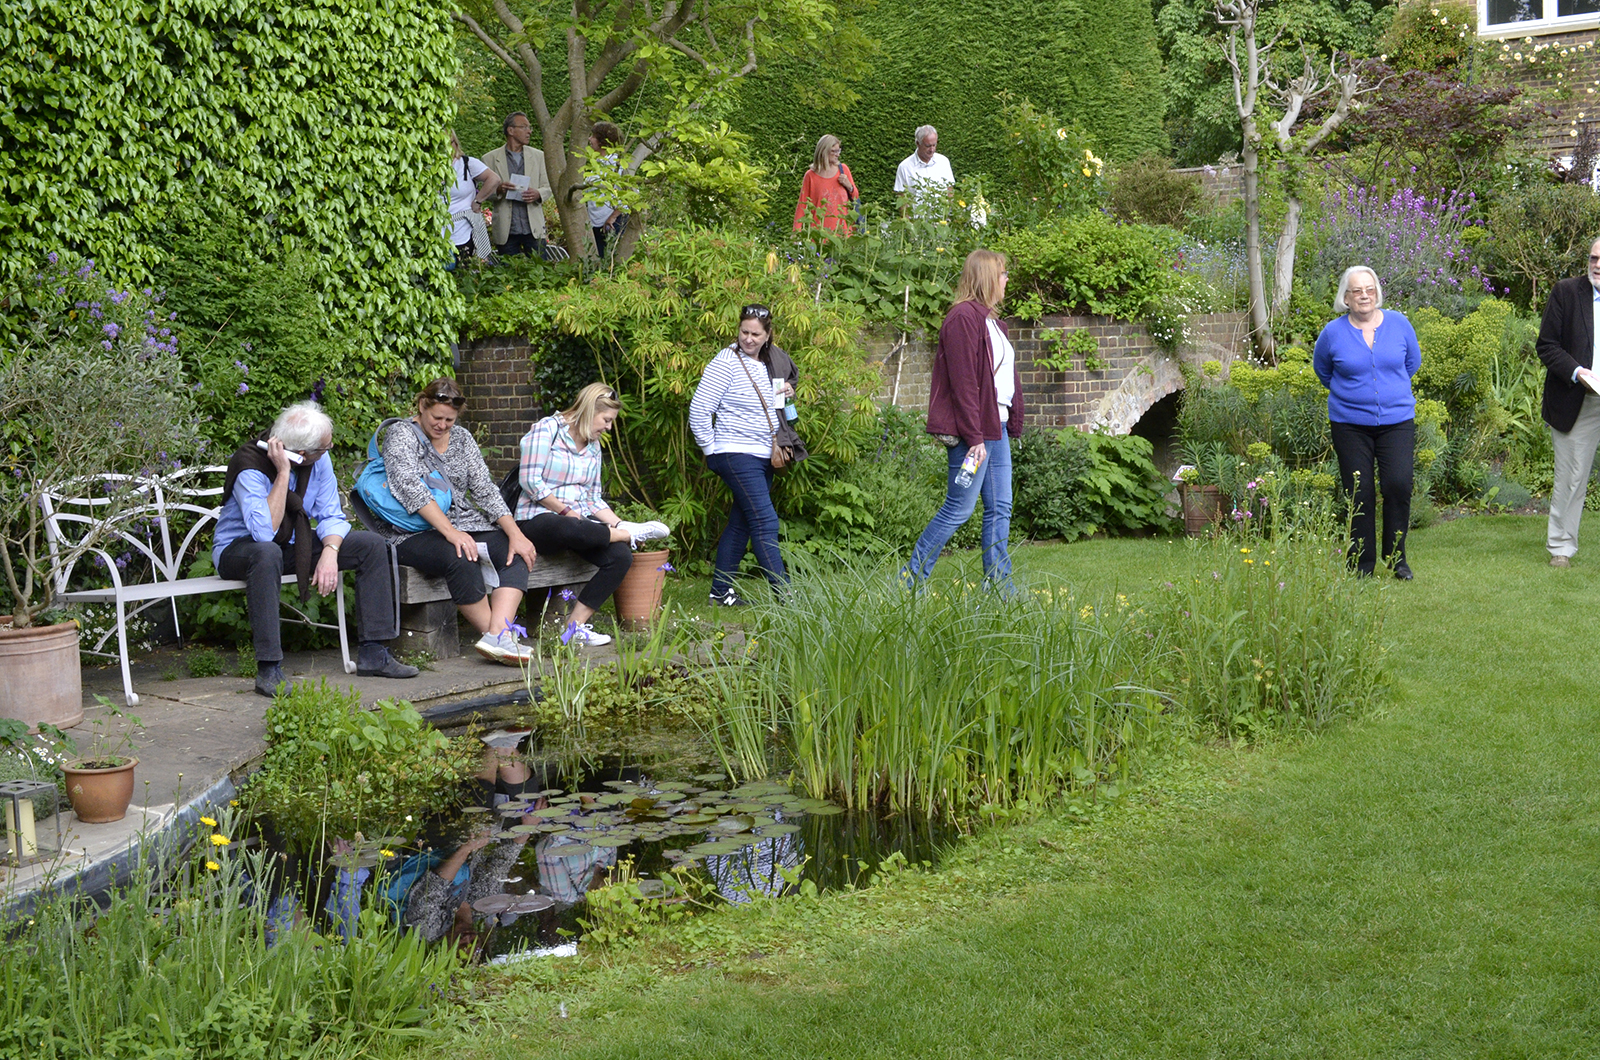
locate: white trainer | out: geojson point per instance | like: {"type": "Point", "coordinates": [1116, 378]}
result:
{"type": "Point", "coordinates": [583, 633]}
{"type": "Point", "coordinates": [504, 648]}
{"type": "Point", "coordinates": [638, 532]}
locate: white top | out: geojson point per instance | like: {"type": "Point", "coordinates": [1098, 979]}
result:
{"type": "Point", "coordinates": [914, 171]}
{"type": "Point", "coordinates": [728, 397]}
{"type": "Point", "coordinates": [599, 209]}
{"type": "Point", "coordinates": [462, 192]}
{"type": "Point", "coordinates": [1005, 362]}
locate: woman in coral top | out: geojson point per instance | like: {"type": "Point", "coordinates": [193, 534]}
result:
{"type": "Point", "coordinates": [827, 191]}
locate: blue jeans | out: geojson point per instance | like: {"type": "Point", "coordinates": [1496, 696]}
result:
{"type": "Point", "coordinates": [753, 523]}
{"type": "Point", "coordinates": [993, 483]}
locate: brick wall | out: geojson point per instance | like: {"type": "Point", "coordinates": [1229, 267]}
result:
{"type": "Point", "coordinates": [1136, 375]}
{"type": "Point", "coordinates": [1222, 184]}
{"type": "Point", "coordinates": [494, 375]}
{"type": "Point", "coordinates": [1551, 135]}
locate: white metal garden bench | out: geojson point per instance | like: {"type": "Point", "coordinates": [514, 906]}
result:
{"type": "Point", "coordinates": [143, 528]}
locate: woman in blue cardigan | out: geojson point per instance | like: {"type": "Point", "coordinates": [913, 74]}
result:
{"type": "Point", "coordinates": [1366, 359]}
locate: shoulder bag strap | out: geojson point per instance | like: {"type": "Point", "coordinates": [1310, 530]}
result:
{"type": "Point", "coordinates": [759, 396]}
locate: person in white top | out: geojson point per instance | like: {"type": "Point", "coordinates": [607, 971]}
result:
{"type": "Point", "coordinates": [474, 182]}
{"type": "Point", "coordinates": [925, 173]}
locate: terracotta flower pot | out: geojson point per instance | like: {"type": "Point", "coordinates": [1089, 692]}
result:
{"type": "Point", "coordinates": [99, 796]}
{"type": "Point", "coordinates": [40, 676]}
{"type": "Point", "coordinates": [638, 598]}
{"type": "Point", "coordinates": [1202, 508]}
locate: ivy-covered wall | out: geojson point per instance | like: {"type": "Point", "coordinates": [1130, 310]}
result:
{"type": "Point", "coordinates": [942, 64]}
{"type": "Point", "coordinates": [322, 121]}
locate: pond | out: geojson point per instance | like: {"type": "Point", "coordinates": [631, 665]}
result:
{"type": "Point", "coordinates": [510, 872]}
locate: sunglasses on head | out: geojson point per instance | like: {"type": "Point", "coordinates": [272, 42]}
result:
{"type": "Point", "coordinates": [755, 312]}
{"type": "Point", "coordinates": [455, 401]}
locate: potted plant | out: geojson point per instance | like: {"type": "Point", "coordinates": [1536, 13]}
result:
{"type": "Point", "coordinates": [638, 598]}
{"type": "Point", "coordinates": [1202, 502]}
{"type": "Point", "coordinates": [90, 383]}
{"type": "Point", "coordinates": [99, 782]}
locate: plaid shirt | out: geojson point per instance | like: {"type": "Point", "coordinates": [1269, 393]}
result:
{"type": "Point", "coordinates": [553, 463]}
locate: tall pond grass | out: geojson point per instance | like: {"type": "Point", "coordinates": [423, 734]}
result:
{"type": "Point", "coordinates": [184, 962]}
{"type": "Point", "coordinates": [948, 699]}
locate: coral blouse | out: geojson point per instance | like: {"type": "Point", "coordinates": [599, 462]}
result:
{"type": "Point", "coordinates": [824, 197]}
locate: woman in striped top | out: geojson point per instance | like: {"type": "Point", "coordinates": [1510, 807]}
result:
{"type": "Point", "coordinates": [734, 415]}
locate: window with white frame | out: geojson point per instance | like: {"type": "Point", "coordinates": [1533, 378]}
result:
{"type": "Point", "coordinates": [1506, 18]}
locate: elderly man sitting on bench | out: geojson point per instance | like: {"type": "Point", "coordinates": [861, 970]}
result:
{"type": "Point", "coordinates": [276, 487]}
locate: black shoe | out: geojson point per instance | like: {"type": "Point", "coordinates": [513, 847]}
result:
{"type": "Point", "coordinates": [727, 599]}
{"type": "Point", "coordinates": [374, 660]}
{"type": "Point", "coordinates": [270, 680]}
{"type": "Point", "coordinates": [1402, 572]}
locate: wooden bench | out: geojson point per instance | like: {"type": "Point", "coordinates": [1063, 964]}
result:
{"type": "Point", "coordinates": [427, 615]}
{"type": "Point", "coordinates": [144, 531]}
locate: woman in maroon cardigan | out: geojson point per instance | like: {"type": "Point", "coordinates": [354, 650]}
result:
{"type": "Point", "coordinates": [974, 403]}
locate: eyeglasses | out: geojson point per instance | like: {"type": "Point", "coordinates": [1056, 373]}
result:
{"type": "Point", "coordinates": [455, 401]}
{"type": "Point", "coordinates": [755, 312]}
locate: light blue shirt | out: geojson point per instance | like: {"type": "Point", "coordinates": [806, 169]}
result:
{"type": "Point", "coordinates": [245, 513]}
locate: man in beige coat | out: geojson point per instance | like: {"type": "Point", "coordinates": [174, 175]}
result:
{"type": "Point", "coordinates": [524, 185]}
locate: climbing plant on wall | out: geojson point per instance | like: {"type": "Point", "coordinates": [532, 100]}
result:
{"type": "Point", "coordinates": [322, 122]}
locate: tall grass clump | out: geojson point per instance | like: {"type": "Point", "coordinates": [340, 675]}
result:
{"type": "Point", "coordinates": [1270, 629]}
{"type": "Point", "coordinates": [949, 699]}
{"type": "Point", "coordinates": [185, 962]}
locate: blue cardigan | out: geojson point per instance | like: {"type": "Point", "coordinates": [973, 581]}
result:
{"type": "Point", "coordinates": [1371, 388]}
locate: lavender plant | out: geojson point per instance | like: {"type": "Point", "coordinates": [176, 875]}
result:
{"type": "Point", "coordinates": [1413, 241]}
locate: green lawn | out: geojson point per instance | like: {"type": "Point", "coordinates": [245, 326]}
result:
{"type": "Point", "coordinates": [1422, 883]}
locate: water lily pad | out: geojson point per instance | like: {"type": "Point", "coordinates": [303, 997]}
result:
{"type": "Point", "coordinates": [475, 809]}
{"type": "Point", "coordinates": [734, 823]}
{"type": "Point", "coordinates": [670, 796]}
{"type": "Point", "coordinates": [530, 903]}
{"type": "Point", "coordinates": [777, 829]}
{"type": "Point", "coordinates": [711, 778]}
{"type": "Point", "coordinates": [569, 850]}
{"type": "Point", "coordinates": [524, 829]}
{"type": "Point", "coordinates": [606, 841]}
{"type": "Point", "coordinates": [721, 846]}
{"type": "Point", "coordinates": [826, 810]}
{"type": "Point", "coordinates": [695, 818]}
{"type": "Point", "coordinates": [494, 904]}
{"type": "Point", "coordinates": [549, 793]}
{"type": "Point", "coordinates": [749, 807]}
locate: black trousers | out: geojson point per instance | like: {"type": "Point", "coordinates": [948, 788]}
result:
{"type": "Point", "coordinates": [436, 557]}
{"type": "Point", "coordinates": [592, 541]}
{"type": "Point", "coordinates": [525, 243]}
{"type": "Point", "coordinates": [1388, 451]}
{"type": "Point", "coordinates": [260, 565]}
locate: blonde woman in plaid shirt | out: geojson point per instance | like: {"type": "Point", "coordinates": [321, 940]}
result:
{"type": "Point", "coordinates": [561, 506]}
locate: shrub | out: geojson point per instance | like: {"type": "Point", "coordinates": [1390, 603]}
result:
{"type": "Point", "coordinates": [1048, 470]}
{"type": "Point", "coordinates": [1054, 168]}
{"type": "Point", "coordinates": [1092, 264]}
{"type": "Point", "coordinates": [1459, 356]}
{"type": "Point", "coordinates": [1147, 191]}
{"type": "Point", "coordinates": [335, 769]}
{"type": "Point", "coordinates": [1413, 242]}
{"type": "Point", "coordinates": [1541, 233]}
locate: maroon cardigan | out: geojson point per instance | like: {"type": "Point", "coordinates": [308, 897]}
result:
{"type": "Point", "coordinates": [961, 397]}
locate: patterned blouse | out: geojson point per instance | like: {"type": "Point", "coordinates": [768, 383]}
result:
{"type": "Point", "coordinates": [553, 463]}
{"type": "Point", "coordinates": [431, 905]}
{"type": "Point", "coordinates": [476, 504]}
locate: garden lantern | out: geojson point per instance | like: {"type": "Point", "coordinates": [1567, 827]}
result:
{"type": "Point", "coordinates": [22, 827]}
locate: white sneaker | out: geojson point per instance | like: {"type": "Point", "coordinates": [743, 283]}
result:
{"type": "Point", "coordinates": [583, 633]}
{"type": "Point", "coordinates": [504, 648]}
{"type": "Point", "coordinates": [638, 532]}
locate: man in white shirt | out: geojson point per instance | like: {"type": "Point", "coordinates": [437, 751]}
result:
{"type": "Point", "coordinates": [925, 173]}
{"type": "Point", "coordinates": [519, 217]}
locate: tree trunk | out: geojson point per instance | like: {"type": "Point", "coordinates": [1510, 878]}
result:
{"type": "Point", "coordinates": [1260, 321]}
{"type": "Point", "coordinates": [1283, 268]}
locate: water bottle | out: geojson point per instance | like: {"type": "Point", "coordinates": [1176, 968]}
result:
{"type": "Point", "coordinates": [968, 466]}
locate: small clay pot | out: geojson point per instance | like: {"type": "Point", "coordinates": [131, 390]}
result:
{"type": "Point", "coordinates": [100, 796]}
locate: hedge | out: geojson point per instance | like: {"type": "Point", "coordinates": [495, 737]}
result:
{"type": "Point", "coordinates": [942, 64]}
{"type": "Point", "coordinates": [323, 121]}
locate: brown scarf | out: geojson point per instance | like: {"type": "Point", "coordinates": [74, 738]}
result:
{"type": "Point", "coordinates": [296, 523]}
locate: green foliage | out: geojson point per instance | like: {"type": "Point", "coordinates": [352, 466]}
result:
{"type": "Point", "coordinates": [253, 334]}
{"type": "Point", "coordinates": [654, 325]}
{"type": "Point", "coordinates": [1048, 469]}
{"type": "Point", "coordinates": [1147, 191]}
{"type": "Point", "coordinates": [322, 123]}
{"type": "Point", "coordinates": [1541, 233]}
{"type": "Point", "coordinates": [1053, 164]}
{"type": "Point", "coordinates": [215, 978]}
{"type": "Point", "coordinates": [1429, 36]}
{"type": "Point", "coordinates": [203, 662]}
{"type": "Point", "coordinates": [1458, 356]}
{"type": "Point", "coordinates": [1284, 407]}
{"type": "Point", "coordinates": [1269, 628]}
{"type": "Point", "coordinates": [95, 387]}
{"type": "Point", "coordinates": [1092, 264]}
{"type": "Point", "coordinates": [946, 700]}
{"type": "Point", "coordinates": [708, 180]}
{"type": "Point", "coordinates": [1123, 487]}
{"type": "Point", "coordinates": [222, 618]}
{"type": "Point", "coordinates": [334, 769]}
{"type": "Point", "coordinates": [944, 64]}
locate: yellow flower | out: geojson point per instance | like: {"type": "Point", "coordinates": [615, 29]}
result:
{"type": "Point", "coordinates": [1086, 612]}
{"type": "Point", "coordinates": [1061, 134]}
{"type": "Point", "coordinates": [1248, 562]}
{"type": "Point", "coordinates": [1245, 550]}
{"type": "Point", "coordinates": [220, 841]}
{"type": "Point", "coordinates": [213, 866]}
{"type": "Point", "coordinates": [208, 822]}
{"type": "Point", "coordinates": [1086, 172]}
{"type": "Point", "coordinates": [387, 853]}
{"type": "Point", "coordinates": [233, 802]}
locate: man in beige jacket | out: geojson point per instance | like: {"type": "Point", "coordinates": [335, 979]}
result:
{"type": "Point", "coordinates": [524, 185]}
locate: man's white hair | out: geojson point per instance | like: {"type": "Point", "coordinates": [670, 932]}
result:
{"type": "Point", "coordinates": [302, 425]}
{"type": "Point", "coordinates": [923, 132]}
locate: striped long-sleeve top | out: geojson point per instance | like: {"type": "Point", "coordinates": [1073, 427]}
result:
{"type": "Point", "coordinates": [553, 463]}
{"type": "Point", "coordinates": [726, 412]}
